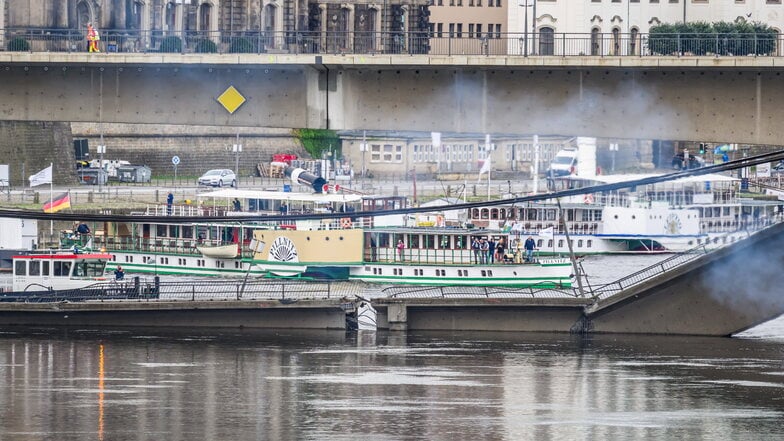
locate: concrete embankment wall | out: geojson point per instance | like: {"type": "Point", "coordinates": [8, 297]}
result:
{"type": "Point", "coordinates": [199, 147]}
{"type": "Point", "coordinates": [28, 147]}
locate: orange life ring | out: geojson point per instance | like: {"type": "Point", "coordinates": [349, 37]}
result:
{"type": "Point", "coordinates": [345, 222]}
{"type": "Point", "coordinates": [588, 199]}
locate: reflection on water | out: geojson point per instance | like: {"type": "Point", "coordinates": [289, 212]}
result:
{"type": "Point", "coordinates": [330, 385]}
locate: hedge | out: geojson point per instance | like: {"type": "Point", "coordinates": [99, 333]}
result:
{"type": "Point", "coordinates": [720, 38]}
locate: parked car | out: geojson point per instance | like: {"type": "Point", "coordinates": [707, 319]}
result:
{"type": "Point", "coordinates": [778, 169]}
{"type": "Point", "coordinates": [218, 178]}
{"type": "Point", "coordinates": [563, 164]}
{"type": "Point", "coordinates": [694, 162]}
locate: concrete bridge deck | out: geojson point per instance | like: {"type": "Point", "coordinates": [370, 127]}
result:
{"type": "Point", "coordinates": [707, 99]}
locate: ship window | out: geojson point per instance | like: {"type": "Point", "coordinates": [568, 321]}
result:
{"type": "Point", "coordinates": [484, 273]}
{"type": "Point", "coordinates": [161, 230]}
{"type": "Point", "coordinates": [490, 273]}
{"type": "Point", "coordinates": [45, 268]}
{"type": "Point", "coordinates": [580, 243]}
{"type": "Point", "coordinates": [34, 268]}
{"type": "Point", "coordinates": [589, 243]}
{"type": "Point", "coordinates": [494, 213]}
{"type": "Point", "coordinates": [429, 241]}
{"type": "Point", "coordinates": [187, 232]}
{"type": "Point", "coordinates": [62, 268]}
{"type": "Point", "coordinates": [550, 243]}
{"type": "Point", "coordinates": [485, 213]}
{"type": "Point", "coordinates": [20, 268]}
{"type": "Point", "coordinates": [460, 273]}
{"type": "Point", "coordinates": [539, 243]}
{"type": "Point", "coordinates": [174, 231]}
{"type": "Point", "coordinates": [475, 213]}
{"type": "Point", "coordinates": [560, 243]}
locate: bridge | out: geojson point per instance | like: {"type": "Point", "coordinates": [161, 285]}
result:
{"type": "Point", "coordinates": [712, 98]}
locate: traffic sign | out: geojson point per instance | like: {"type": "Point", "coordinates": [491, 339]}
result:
{"type": "Point", "coordinates": [175, 160]}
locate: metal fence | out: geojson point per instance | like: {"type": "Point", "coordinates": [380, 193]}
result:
{"type": "Point", "coordinates": [543, 43]}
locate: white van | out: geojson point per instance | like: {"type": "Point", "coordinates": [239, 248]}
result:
{"type": "Point", "coordinates": [564, 164]}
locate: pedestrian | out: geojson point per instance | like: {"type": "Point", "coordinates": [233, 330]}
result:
{"type": "Point", "coordinates": [530, 246]}
{"type": "Point", "coordinates": [237, 205]}
{"type": "Point", "coordinates": [83, 229]}
{"type": "Point", "coordinates": [119, 273]}
{"type": "Point", "coordinates": [400, 247]}
{"type": "Point", "coordinates": [485, 248]}
{"type": "Point", "coordinates": [500, 249]}
{"type": "Point", "coordinates": [373, 250]}
{"type": "Point", "coordinates": [169, 202]}
{"type": "Point", "coordinates": [477, 247]}
{"type": "Point", "coordinates": [92, 39]}
{"type": "Point", "coordinates": [490, 250]}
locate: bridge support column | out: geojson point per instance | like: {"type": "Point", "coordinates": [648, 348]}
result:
{"type": "Point", "coordinates": [397, 315]}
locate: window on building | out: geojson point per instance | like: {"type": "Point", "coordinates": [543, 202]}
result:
{"type": "Point", "coordinates": [440, 30]}
{"type": "Point", "coordinates": [470, 2]}
{"type": "Point", "coordinates": [673, 1]}
{"type": "Point", "coordinates": [470, 30]}
{"type": "Point", "coordinates": [375, 153]}
{"type": "Point", "coordinates": [460, 30]}
{"type": "Point", "coordinates": [479, 2]}
{"type": "Point", "coordinates": [546, 41]}
{"type": "Point", "coordinates": [451, 30]}
{"type": "Point", "coordinates": [479, 30]}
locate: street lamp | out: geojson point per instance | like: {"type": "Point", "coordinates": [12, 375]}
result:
{"type": "Point", "coordinates": [524, 4]}
{"type": "Point", "coordinates": [237, 149]}
{"type": "Point", "coordinates": [101, 150]}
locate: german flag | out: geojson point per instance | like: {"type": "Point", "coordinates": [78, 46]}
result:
{"type": "Point", "coordinates": [60, 202]}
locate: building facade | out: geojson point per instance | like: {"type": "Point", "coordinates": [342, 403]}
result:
{"type": "Point", "coordinates": [615, 25]}
{"type": "Point", "coordinates": [322, 26]}
{"type": "Point", "coordinates": [468, 26]}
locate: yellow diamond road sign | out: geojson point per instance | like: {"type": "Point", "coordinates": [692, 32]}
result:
{"type": "Point", "coordinates": [231, 99]}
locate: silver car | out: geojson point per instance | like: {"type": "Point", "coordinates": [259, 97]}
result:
{"type": "Point", "coordinates": [218, 178]}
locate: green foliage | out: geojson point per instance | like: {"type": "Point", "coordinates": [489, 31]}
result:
{"type": "Point", "coordinates": [206, 47]}
{"type": "Point", "coordinates": [171, 44]}
{"type": "Point", "coordinates": [720, 38]}
{"type": "Point", "coordinates": [18, 44]}
{"type": "Point", "coordinates": [242, 46]}
{"type": "Point", "coordinates": [316, 141]}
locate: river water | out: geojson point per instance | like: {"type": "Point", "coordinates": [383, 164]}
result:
{"type": "Point", "coordinates": [230, 385]}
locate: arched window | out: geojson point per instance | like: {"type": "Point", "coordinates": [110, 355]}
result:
{"type": "Point", "coordinates": [83, 14]}
{"type": "Point", "coordinates": [171, 16]}
{"type": "Point", "coordinates": [269, 16]}
{"type": "Point", "coordinates": [546, 41]}
{"type": "Point", "coordinates": [205, 16]}
{"type": "Point", "coordinates": [596, 41]}
{"type": "Point", "coordinates": [633, 36]}
{"type": "Point", "coordinates": [616, 38]}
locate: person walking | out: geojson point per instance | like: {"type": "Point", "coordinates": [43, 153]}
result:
{"type": "Point", "coordinates": [92, 39]}
{"type": "Point", "coordinates": [237, 205]}
{"type": "Point", "coordinates": [530, 246]}
{"type": "Point", "coordinates": [400, 248]}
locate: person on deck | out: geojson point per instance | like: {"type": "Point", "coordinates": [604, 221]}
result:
{"type": "Point", "coordinates": [476, 245]}
{"type": "Point", "coordinates": [485, 248]}
{"type": "Point", "coordinates": [119, 273]}
{"type": "Point", "coordinates": [530, 246]}
{"type": "Point", "coordinates": [490, 250]}
{"type": "Point", "coordinates": [169, 202]}
{"type": "Point", "coordinates": [400, 248]}
{"type": "Point", "coordinates": [237, 205]}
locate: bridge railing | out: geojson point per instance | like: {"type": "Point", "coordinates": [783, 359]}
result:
{"type": "Point", "coordinates": [412, 42]}
{"type": "Point", "coordinates": [676, 260]}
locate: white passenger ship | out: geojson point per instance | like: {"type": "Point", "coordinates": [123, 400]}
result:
{"type": "Point", "coordinates": [345, 248]}
{"type": "Point", "coordinates": [664, 218]}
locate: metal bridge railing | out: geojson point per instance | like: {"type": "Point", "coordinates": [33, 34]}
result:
{"type": "Point", "coordinates": [398, 42]}
{"type": "Point", "coordinates": [152, 289]}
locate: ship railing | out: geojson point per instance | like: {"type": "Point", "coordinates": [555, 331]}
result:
{"type": "Point", "coordinates": [152, 289]}
{"type": "Point", "coordinates": [657, 269]}
{"type": "Point", "coordinates": [542, 290]}
{"type": "Point", "coordinates": [422, 256]}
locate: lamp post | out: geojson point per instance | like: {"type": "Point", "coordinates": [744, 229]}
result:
{"type": "Point", "coordinates": [101, 150]}
{"type": "Point", "coordinates": [524, 4]}
{"type": "Point", "coordinates": [237, 149]}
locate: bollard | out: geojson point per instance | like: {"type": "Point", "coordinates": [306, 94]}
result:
{"type": "Point", "coordinates": [90, 197]}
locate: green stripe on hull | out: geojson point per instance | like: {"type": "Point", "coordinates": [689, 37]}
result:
{"type": "Point", "coordinates": [471, 281]}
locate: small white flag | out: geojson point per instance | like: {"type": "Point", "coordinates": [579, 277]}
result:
{"type": "Point", "coordinates": [42, 177]}
{"type": "Point", "coordinates": [547, 232]}
{"type": "Point", "coordinates": [486, 166]}
{"type": "Point", "coordinates": [436, 137]}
